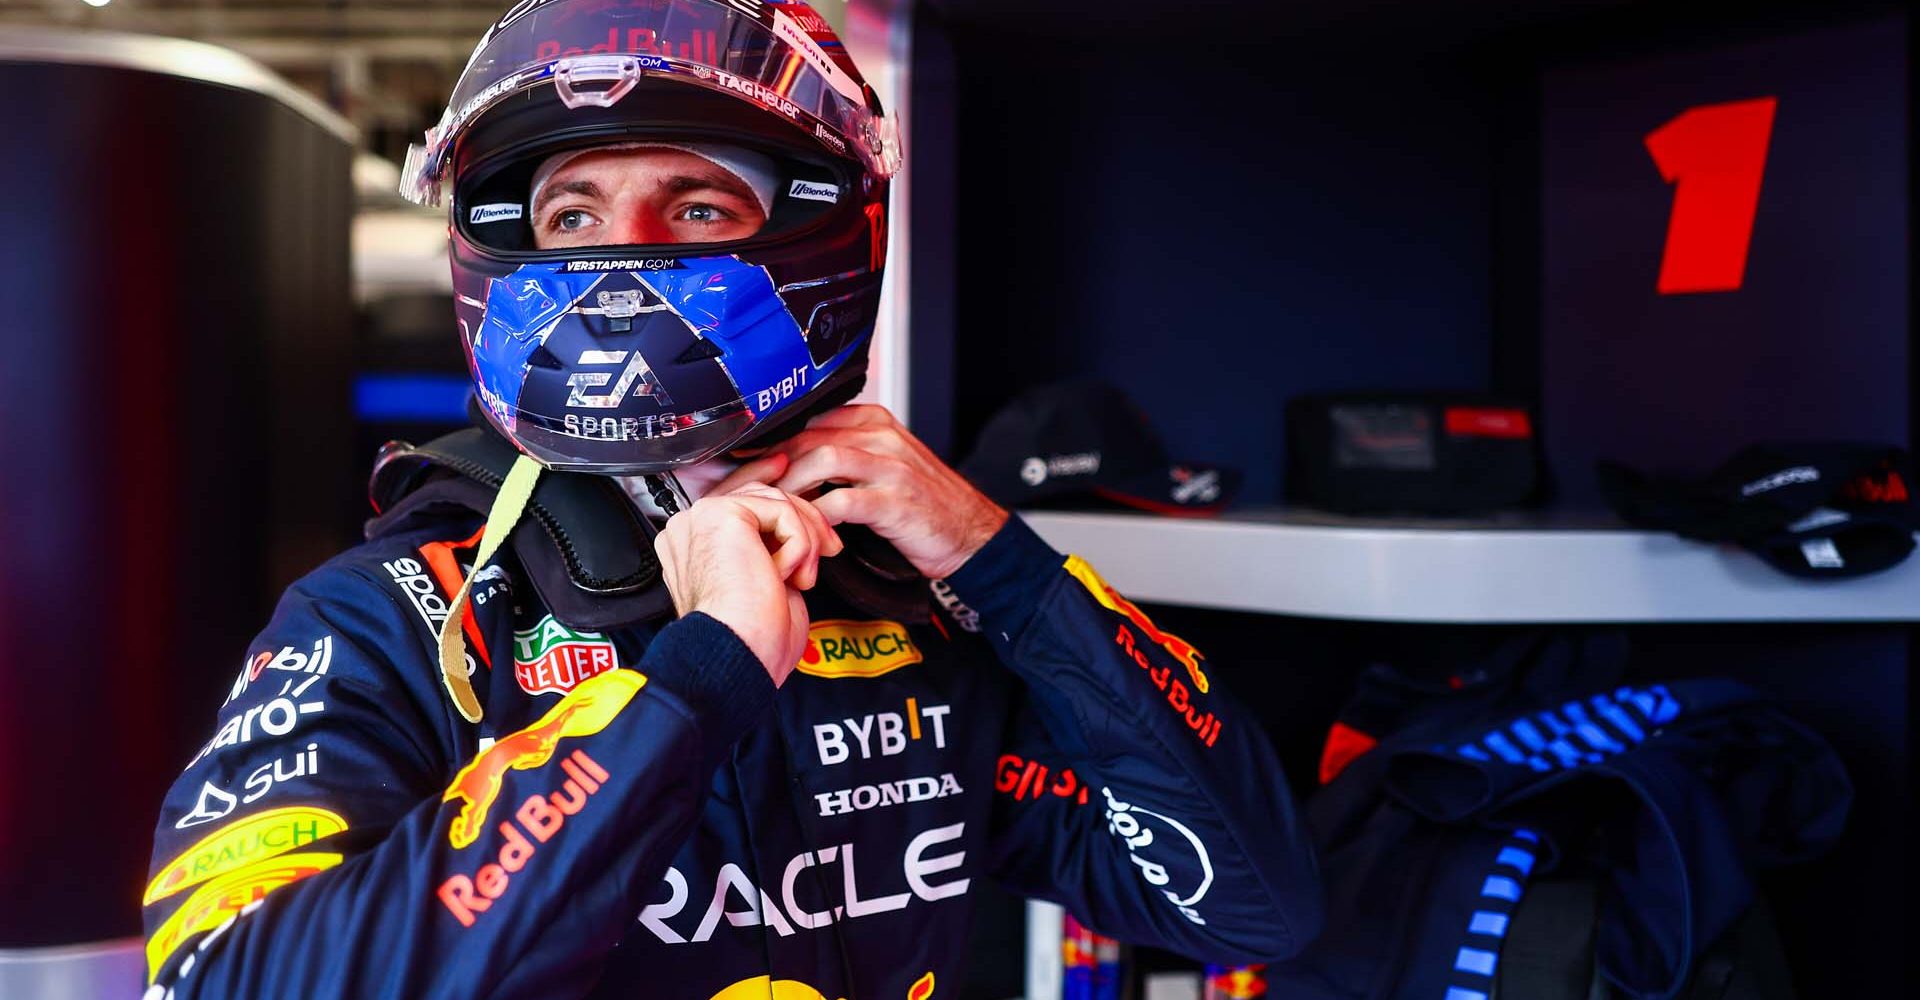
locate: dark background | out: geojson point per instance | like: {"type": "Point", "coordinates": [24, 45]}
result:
{"type": "Point", "coordinates": [1218, 206]}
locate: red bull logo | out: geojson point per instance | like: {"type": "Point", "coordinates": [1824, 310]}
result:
{"type": "Point", "coordinates": [540, 816]}
{"type": "Point", "coordinates": [768, 988]}
{"type": "Point", "coordinates": [695, 46]}
{"type": "Point", "coordinates": [584, 712]}
{"type": "Point", "coordinates": [1180, 649]}
{"type": "Point", "coordinates": [1243, 982]}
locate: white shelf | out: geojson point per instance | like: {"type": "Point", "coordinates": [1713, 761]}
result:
{"type": "Point", "coordinates": [1502, 571]}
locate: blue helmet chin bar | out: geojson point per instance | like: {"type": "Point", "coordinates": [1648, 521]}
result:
{"type": "Point", "coordinates": [643, 366]}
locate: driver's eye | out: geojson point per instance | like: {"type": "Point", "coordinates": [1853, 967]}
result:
{"type": "Point", "coordinates": [572, 219]}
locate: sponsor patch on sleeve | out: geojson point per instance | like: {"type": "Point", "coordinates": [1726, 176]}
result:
{"type": "Point", "coordinates": [1111, 599]}
{"type": "Point", "coordinates": [229, 896]}
{"type": "Point", "coordinates": [243, 842]}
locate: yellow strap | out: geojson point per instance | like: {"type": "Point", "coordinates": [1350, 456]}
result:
{"type": "Point", "coordinates": [508, 505]}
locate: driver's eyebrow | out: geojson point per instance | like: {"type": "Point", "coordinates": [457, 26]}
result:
{"type": "Point", "coordinates": [717, 181]}
{"type": "Point", "coordinates": [583, 188]}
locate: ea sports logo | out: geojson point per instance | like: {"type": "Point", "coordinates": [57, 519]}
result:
{"type": "Point", "coordinates": [1033, 472]}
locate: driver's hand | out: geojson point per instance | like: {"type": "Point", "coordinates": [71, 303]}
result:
{"type": "Point", "coordinates": [893, 484]}
{"type": "Point", "coordinates": [743, 554]}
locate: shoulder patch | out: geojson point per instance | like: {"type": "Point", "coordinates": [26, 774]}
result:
{"type": "Point", "coordinates": [430, 581]}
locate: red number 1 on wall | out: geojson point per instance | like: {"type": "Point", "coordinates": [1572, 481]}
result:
{"type": "Point", "coordinates": [1714, 155]}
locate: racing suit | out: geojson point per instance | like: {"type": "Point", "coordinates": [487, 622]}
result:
{"type": "Point", "coordinates": [641, 814]}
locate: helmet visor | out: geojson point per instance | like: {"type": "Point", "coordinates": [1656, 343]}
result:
{"type": "Point", "coordinates": [593, 53]}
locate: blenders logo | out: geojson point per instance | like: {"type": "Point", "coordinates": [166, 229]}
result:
{"type": "Point", "coordinates": [243, 842]}
{"type": "Point", "coordinates": [497, 212]}
{"type": "Point", "coordinates": [586, 711]}
{"type": "Point", "coordinates": [551, 658]}
{"type": "Point", "coordinates": [810, 191]}
{"type": "Point", "coordinates": [1180, 649]}
{"type": "Point", "coordinates": [837, 648]}
{"type": "Point", "coordinates": [827, 135]}
{"type": "Point", "coordinates": [624, 264]}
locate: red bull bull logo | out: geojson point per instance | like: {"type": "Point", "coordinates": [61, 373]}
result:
{"type": "Point", "coordinates": [1180, 649]}
{"type": "Point", "coordinates": [769, 988]}
{"type": "Point", "coordinates": [540, 816]}
{"type": "Point", "coordinates": [586, 711]}
{"type": "Point", "coordinates": [1243, 982]}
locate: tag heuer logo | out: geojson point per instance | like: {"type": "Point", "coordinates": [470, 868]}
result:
{"type": "Point", "coordinates": [856, 649]}
{"type": "Point", "coordinates": [552, 658]}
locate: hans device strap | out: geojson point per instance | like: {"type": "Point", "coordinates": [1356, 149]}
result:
{"type": "Point", "coordinates": [586, 550]}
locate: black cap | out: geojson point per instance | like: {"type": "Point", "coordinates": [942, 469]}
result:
{"type": "Point", "coordinates": [1820, 509]}
{"type": "Point", "coordinates": [1085, 442]}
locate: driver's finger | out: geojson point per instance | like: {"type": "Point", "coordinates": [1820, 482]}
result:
{"type": "Point", "coordinates": [764, 469]}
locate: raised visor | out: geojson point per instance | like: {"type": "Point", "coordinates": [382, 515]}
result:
{"type": "Point", "coordinates": [1512, 569]}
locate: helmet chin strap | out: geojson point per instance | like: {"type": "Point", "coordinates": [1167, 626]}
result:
{"type": "Point", "coordinates": [508, 505]}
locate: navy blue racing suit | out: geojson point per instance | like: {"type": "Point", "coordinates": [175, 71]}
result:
{"type": "Point", "coordinates": [641, 813]}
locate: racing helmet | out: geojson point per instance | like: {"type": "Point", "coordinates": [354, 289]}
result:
{"type": "Point", "coordinates": [637, 359]}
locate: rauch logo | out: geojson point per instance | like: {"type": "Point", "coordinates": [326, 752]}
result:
{"type": "Point", "coordinates": [243, 842]}
{"type": "Point", "coordinates": [837, 648]}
